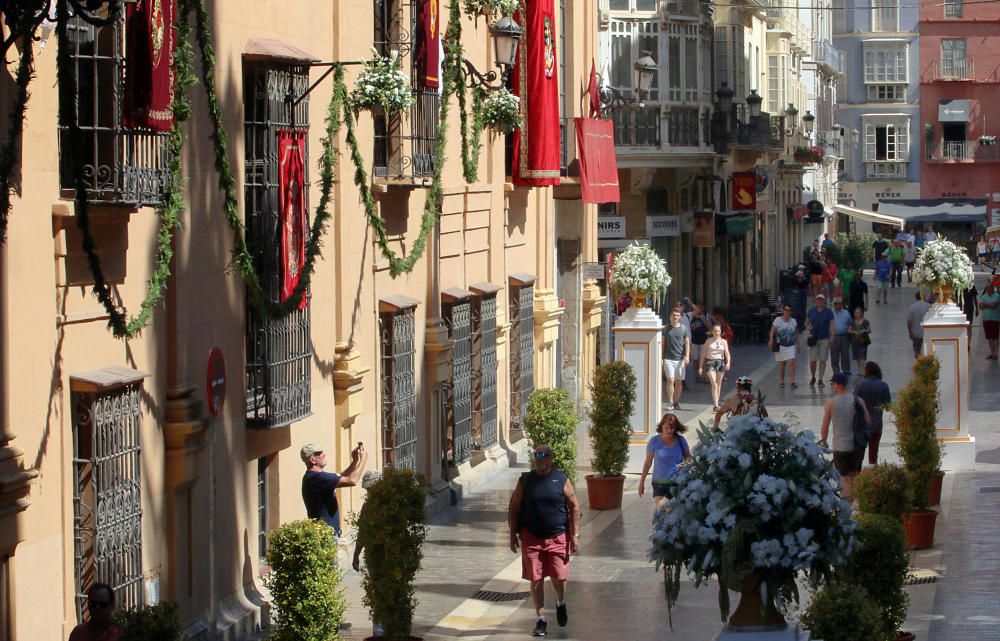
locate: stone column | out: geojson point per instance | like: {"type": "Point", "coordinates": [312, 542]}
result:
{"type": "Point", "coordinates": [547, 314]}
{"type": "Point", "coordinates": [946, 337]}
{"type": "Point", "coordinates": [639, 342]}
{"type": "Point", "coordinates": [348, 397]}
{"type": "Point", "coordinates": [593, 305]}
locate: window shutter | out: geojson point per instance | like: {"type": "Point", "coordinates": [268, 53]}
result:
{"type": "Point", "coordinates": [869, 142]}
{"type": "Point", "coordinates": [721, 57]}
{"type": "Point", "coordinates": [902, 141]}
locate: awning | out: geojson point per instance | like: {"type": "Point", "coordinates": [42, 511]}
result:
{"type": "Point", "coordinates": [266, 49]}
{"type": "Point", "coordinates": [736, 223]}
{"type": "Point", "coordinates": [936, 210]}
{"type": "Point", "coordinates": [871, 216]}
{"type": "Point", "coordinates": [953, 111]}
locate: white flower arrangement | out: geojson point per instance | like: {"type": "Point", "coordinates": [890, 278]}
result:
{"type": "Point", "coordinates": [639, 270]}
{"type": "Point", "coordinates": [382, 83]}
{"type": "Point", "coordinates": [490, 7]}
{"type": "Point", "coordinates": [501, 111]}
{"type": "Point", "coordinates": [940, 263]}
{"type": "Point", "coordinates": [756, 498]}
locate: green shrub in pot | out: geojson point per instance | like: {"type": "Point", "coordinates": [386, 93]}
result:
{"type": "Point", "coordinates": [842, 612]}
{"type": "Point", "coordinates": [160, 622]}
{"type": "Point", "coordinates": [880, 565]}
{"type": "Point", "coordinates": [915, 412]}
{"type": "Point", "coordinates": [551, 420]}
{"type": "Point", "coordinates": [613, 398]}
{"type": "Point", "coordinates": [883, 489]}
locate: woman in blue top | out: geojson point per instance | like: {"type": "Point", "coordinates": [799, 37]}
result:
{"type": "Point", "coordinates": [664, 452]}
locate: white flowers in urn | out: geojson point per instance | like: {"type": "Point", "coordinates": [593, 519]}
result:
{"type": "Point", "coordinates": [501, 111]}
{"type": "Point", "coordinates": [382, 83]}
{"type": "Point", "coordinates": [638, 270]}
{"type": "Point", "coordinates": [941, 263]}
{"type": "Point", "coordinates": [490, 7]}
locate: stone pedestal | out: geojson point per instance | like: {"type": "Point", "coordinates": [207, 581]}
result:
{"type": "Point", "coordinates": [762, 634]}
{"type": "Point", "coordinates": [639, 342]}
{"type": "Point", "coordinates": [946, 336]}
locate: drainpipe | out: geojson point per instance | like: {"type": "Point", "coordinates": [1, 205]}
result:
{"type": "Point", "coordinates": [4, 341]}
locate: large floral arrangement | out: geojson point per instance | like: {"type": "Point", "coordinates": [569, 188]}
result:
{"type": "Point", "coordinates": [382, 83]}
{"type": "Point", "coordinates": [639, 270]}
{"type": "Point", "coordinates": [501, 111]}
{"type": "Point", "coordinates": [757, 498]}
{"type": "Point", "coordinates": [942, 262]}
{"type": "Point", "coordinates": [490, 7]}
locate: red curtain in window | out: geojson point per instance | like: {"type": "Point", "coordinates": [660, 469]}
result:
{"type": "Point", "coordinates": [149, 75]}
{"type": "Point", "coordinates": [536, 81]}
{"type": "Point", "coordinates": [291, 200]}
{"type": "Point", "coordinates": [428, 43]}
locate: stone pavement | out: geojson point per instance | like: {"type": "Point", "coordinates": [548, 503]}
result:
{"type": "Point", "coordinates": [470, 587]}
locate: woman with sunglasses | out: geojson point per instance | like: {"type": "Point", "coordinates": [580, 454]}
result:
{"type": "Point", "coordinates": [664, 453]}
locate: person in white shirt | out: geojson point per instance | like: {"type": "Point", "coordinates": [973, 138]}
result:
{"type": "Point", "coordinates": [930, 235]}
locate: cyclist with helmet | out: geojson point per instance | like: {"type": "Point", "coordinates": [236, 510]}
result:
{"type": "Point", "coordinates": [741, 402]}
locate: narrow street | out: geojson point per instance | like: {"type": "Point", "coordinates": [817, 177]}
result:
{"type": "Point", "coordinates": [470, 587]}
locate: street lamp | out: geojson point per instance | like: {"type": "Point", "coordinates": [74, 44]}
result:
{"type": "Point", "coordinates": [808, 122]}
{"type": "Point", "coordinates": [645, 70]}
{"type": "Point", "coordinates": [725, 95]}
{"type": "Point", "coordinates": [791, 119]}
{"type": "Point", "coordinates": [753, 103]}
{"type": "Point", "coordinates": [506, 34]}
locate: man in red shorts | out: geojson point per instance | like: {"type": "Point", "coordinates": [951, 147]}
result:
{"type": "Point", "coordinates": [544, 517]}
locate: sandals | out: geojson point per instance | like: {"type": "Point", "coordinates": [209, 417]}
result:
{"type": "Point", "coordinates": [781, 385]}
{"type": "Point", "coordinates": [795, 385]}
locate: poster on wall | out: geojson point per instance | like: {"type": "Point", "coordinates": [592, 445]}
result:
{"type": "Point", "coordinates": [744, 191]}
{"type": "Point", "coordinates": [704, 228]}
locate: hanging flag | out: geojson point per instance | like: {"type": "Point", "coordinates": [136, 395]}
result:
{"type": "Point", "coordinates": [428, 43]}
{"type": "Point", "coordinates": [744, 191]}
{"type": "Point", "coordinates": [536, 82]}
{"type": "Point", "coordinates": [291, 200]}
{"type": "Point", "coordinates": [150, 39]}
{"type": "Point", "coordinates": [595, 141]}
{"type": "Point", "coordinates": [594, 92]}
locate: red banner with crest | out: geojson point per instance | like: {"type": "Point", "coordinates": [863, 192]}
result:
{"type": "Point", "coordinates": [598, 164]}
{"type": "Point", "coordinates": [744, 191]}
{"type": "Point", "coordinates": [291, 200]}
{"type": "Point", "coordinates": [150, 39]}
{"type": "Point", "coordinates": [535, 78]}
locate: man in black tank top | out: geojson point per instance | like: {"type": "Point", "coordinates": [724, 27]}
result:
{"type": "Point", "coordinates": [544, 517]}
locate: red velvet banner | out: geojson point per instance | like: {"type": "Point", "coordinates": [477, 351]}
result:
{"type": "Point", "coordinates": [428, 43]}
{"type": "Point", "coordinates": [744, 191]}
{"type": "Point", "coordinates": [150, 39]}
{"type": "Point", "coordinates": [593, 92]}
{"type": "Point", "coordinates": [291, 200]}
{"type": "Point", "coordinates": [536, 81]}
{"type": "Point", "coordinates": [595, 140]}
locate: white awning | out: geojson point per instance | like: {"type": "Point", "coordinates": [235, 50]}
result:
{"type": "Point", "coordinates": [872, 216]}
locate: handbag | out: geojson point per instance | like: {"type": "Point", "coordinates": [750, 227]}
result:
{"type": "Point", "coordinates": [812, 340]}
{"type": "Point", "coordinates": [860, 426]}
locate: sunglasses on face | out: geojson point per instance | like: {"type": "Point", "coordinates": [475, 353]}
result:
{"type": "Point", "coordinates": [543, 454]}
{"type": "Point", "coordinates": [98, 604]}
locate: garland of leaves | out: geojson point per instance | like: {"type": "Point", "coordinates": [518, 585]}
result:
{"type": "Point", "coordinates": [173, 201]}
{"type": "Point", "coordinates": [8, 153]}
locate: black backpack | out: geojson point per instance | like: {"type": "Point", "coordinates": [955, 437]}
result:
{"type": "Point", "coordinates": [861, 427]}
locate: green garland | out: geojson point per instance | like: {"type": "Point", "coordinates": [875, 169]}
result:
{"type": "Point", "coordinates": [242, 262]}
{"type": "Point", "coordinates": [8, 153]}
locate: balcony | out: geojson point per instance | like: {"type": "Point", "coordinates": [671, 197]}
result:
{"type": "Point", "coordinates": [787, 21]}
{"type": "Point", "coordinates": [638, 127]}
{"type": "Point", "coordinates": [831, 142]}
{"type": "Point", "coordinates": [683, 127]}
{"type": "Point", "coordinates": [953, 69]}
{"type": "Point", "coordinates": [764, 131]}
{"type": "Point", "coordinates": [886, 169]}
{"type": "Point", "coordinates": [960, 151]}
{"type": "Point", "coordinates": [827, 56]}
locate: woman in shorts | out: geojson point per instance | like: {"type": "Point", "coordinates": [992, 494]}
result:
{"type": "Point", "coordinates": [784, 332]}
{"type": "Point", "coordinates": [715, 362]}
{"type": "Point", "coordinates": [664, 452]}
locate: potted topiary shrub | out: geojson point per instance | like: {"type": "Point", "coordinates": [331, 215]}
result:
{"type": "Point", "coordinates": [880, 565]}
{"type": "Point", "coordinates": [916, 419]}
{"type": "Point", "coordinates": [613, 396]}
{"type": "Point", "coordinates": [305, 582]}
{"type": "Point", "coordinates": [158, 622]}
{"type": "Point", "coordinates": [392, 527]}
{"type": "Point", "coordinates": [883, 490]}
{"type": "Point", "coordinates": [551, 420]}
{"type": "Point", "coordinates": [842, 612]}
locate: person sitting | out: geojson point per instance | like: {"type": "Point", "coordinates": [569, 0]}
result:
{"type": "Point", "coordinates": [740, 402]}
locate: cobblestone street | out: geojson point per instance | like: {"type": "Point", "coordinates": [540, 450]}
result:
{"type": "Point", "coordinates": [470, 587]}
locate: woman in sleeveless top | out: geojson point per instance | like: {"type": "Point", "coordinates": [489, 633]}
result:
{"type": "Point", "coordinates": [715, 362]}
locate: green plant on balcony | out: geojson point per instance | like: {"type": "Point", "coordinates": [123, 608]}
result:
{"type": "Point", "coordinates": [802, 154]}
{"type": "Point", "coordinates": [987, 140]}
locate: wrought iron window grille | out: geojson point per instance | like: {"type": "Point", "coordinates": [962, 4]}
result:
{"type": "Point", "coordinates": [485, 368]}
{"type": "Point", "coordinates": [457, 312]}
{"type": "Point", "coordinates": [121, 165]}
{"type": "Point", "coordinates": [522, 353]}
{"type": "Point", "coordinates": [278, 350]}
{"type": "Point", "coordinates": [399, 400]}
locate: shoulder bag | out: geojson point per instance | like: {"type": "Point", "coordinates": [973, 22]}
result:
{"type": "Point", "coordinates": [860, 426]}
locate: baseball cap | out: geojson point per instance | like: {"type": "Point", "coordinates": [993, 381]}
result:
{"type": "Point", "coordinates": [823, 296]}
{"type": "Point", "coordinates": [839, 378]}
{"type": "Point", "coordinates": [310, 449]}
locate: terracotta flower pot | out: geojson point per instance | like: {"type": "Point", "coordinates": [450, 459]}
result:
{"type": "Point", "coordinates": [906, 636]}
{"type": "Point", "coordinates": [748, 613]}
{"type": "Point", "coordinates": [381, 638]}
{"type": "Point", "coordinates": [934, 489]}
{"type": "Point", "coordinates": [919, 528]}
{"type": "Point", "coordinates": [605, 492]}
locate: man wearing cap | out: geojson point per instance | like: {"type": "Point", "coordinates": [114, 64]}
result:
{"type": "Point", "coordinates": [318, 486]}
{"type": "Point", "coordinates": [819, 322]}
{"type": "Point", "coordinates": [840, 345]}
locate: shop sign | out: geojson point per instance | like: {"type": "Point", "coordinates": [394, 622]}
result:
{"type": "Point", "coordinates": [744, 191]}
{"type": "Point", "coordinates": [611, 227]}
{"type": "Point", "coordinates": [663, 226]}
{"type": "Point", "coordinates": [704, 229]}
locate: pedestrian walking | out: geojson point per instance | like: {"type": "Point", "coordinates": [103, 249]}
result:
{"type": "Point", "coordinates": [914, 323]}
{"type": "Point", "coordinates": [847, 276]}
{"type": "Point", "coordinates": [896, 255]}
{"type": "Point", "coordinates": [318, 487]}
{"type": "Point", "coordinates": [819, 323]}
{"type": "Point", "coordinates": [544, 519]}
{"type": "Point", "coordinates": [857, 295]}
{"type": "Point", "coordinates": [880, 245]}
{"type": "Point", "coordinates": [784, 344]}
{"type": "Point", "coordinates": [830, 272]}
{"type": "Point", "coordinates": [838, 413]}
{"type": "Point", "coordinates": [715, 361]}
{"type": "Point", "coordinates": [840, 344]}
{"type": "Point", "coordinates": [981, 249]}
{"type": "Point", "coordinates": [676, 356]}
{"type": "Point", "coordinates": [664, 452]}
{"type": "Point", "coordinates": [741, 401]}
{"type": "Point", "coordinates": [989, 303]}
{"type": "Point", "coordinates": [861, 338]}
{"type": "Point", "coordinates": [883, 272]}
{"type": "Point", "coordinates": [101, 608]}
{"type": "Point", "coordinates": [815, 275]}
{"type": "Point", "coordinates": [700, 326]}
{"type": "Point", "coordinates": [970, 305]}
{"type": "Point", "coordinates": [930, 234]}
{"type": "Point", "coordinates": [876, 395]}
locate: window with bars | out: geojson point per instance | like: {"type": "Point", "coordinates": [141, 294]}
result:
{"type": "Point", "coordinates": [522, 352]}
{"type": "Point", "coordinates": [953, 8]}
{"type": "Point", "coordinates": [107, 485]}
{"type": "Point", "coordinates": [954, 61]}
{"type": "Point", "coordinates": [485, 366]}
{"type": "Point", "coordinates": [397, 327]}
{"type": "Point", "coordinates": [278, 350]}
{"type": "Point", "coordinates": [120, 165]}
{"type": "Point", "coordinates": [885, 16]}
{"type": "Point", "coordinates": [457, 312]}
{"type": "Point", "coordinates": [404, 146]}
{"type": "Point", "coordinates": [264, 495]}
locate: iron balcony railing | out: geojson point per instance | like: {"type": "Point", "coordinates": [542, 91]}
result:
{"type": "Point", "coordinates": [964, 150]}
{"type": "Point", "coordinates": [826, 55]}
{"type": "Point", "coordinates": [888, 169]}
{"type": "Point", "coordinates": [683, 127]}
{"type": "Point", "coordinates": [953, 69]}
{"type": "Point", "coordinates": [638, 127]}
{"type": "Point", "coordinates": [765, 131]}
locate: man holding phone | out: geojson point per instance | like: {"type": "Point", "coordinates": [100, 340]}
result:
{"type": "Point", "coordinates": [318, 487]}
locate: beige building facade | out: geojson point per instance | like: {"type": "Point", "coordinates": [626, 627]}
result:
{"type": "Point", "coordinates": [112, 466]}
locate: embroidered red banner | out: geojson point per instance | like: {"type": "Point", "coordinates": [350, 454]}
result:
{"type": "Point", "coordinates": [536, 82]}
{"type": "Point", "coordinates": [150, 39]}
{"type": "Point", "coordinates": [291, 200]}
{"type": "Point", "coordinates": [595, 141]}
{"type": "Point", "coordinates": [428, 43]}
{"type": "Point", "coordinates": [744, 191]}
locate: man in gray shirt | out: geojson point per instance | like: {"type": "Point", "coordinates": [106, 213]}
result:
{"type": "Point", "coordinates": [676, 355]}
{"type": "Point", "coordinates": [914, 318]}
